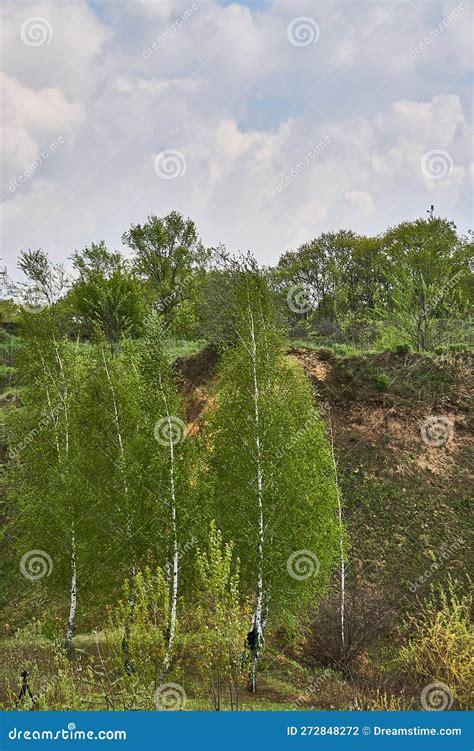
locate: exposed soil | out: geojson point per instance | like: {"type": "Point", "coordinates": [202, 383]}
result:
{"type": "Point", "coordinates": [403, 496]}
{"type": "Point", "coordinates": [197, 373]}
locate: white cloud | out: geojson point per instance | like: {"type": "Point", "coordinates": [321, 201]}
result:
{"type": "Point", "coordinates": [244, 107]}
{"type": "Point", "coordinates": [361, 199]}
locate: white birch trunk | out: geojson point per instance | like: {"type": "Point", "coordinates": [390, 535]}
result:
{"type": "Point", "coordinates": [64, 396]}
{"type": "Point", "coordinates": [258, 621]}
{"type": "Point", "coordinates": [341, 543]}
{"type": "Point", "coordinates": [72, 595]}
{"type": "Point", "coordinates": [128, 665]}
{"type": "Point", "coordinates": [175, 573]}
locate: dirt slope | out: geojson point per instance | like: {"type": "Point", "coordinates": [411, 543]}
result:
{"type": "Point", "coordinates": [403, 440]}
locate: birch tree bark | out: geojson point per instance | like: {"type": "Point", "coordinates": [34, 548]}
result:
{"type": "Point", "coordinates": [175, 567]}
{"type": "Point", "coordinates": [258, 617]}
{"type": "Point", "coordinates": [127, 663]}
{"type": "Point", "coordinates": [342, 561]}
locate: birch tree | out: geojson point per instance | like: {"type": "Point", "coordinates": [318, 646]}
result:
{"type": "Point", "coordinates": [272, 475]}
{"type": "Point", "coordinates": [342, 555]}
{"type": "Point", "coordinates": [169, 469]}
{"type": "Point", "coordinates": [44, 448]}
{"type": "Point", "coordinates": [114, 445]}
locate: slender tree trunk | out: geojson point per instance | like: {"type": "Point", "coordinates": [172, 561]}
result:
{"type": "Point", "coordinates": [258, 622]}
{"type": "Point", "coordinates": [341, 542]}
{"type": "Point", "coordinates": [175, 575]}
{"type": "Point", "coordinates": [64, 396]}
{"type": "Point", "coordinates": [127, 662]}
{"type": "Point", "coordinates": [72, 596]}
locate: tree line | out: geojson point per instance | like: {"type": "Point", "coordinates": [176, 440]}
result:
{"type": "Point", "coordinates": [409, 286]}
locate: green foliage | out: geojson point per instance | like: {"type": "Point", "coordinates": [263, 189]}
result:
{"type": "Point", "coordinates": [382, 381]}
{"type": "Point", "coordinates": [342, 271]}
{"type": "Point", "coordinates": [107, 295]}
{"type": "Point", "coordinates": [221, 623]}
{"type": "Point", "coordinates": [46, 282]}
{"type": "Point", "coordinates": [171, 459]}
{"type": "Point", "coordinates": [412, 284]}
{"type": "Point", "coordinates": [148, 630]}
{"type": "Point", "coordinates": [44, 439]}
{"type": "Point", "coordinates": [425, 266]}
{"type": "Point", "coordinates": [168, 252]}
{"type": "Point", "coordinates": [442, 643]}
{"type": "Point", "coordinates": [403, 349]}
{"type": "Point", "coordinates": [285, 448]}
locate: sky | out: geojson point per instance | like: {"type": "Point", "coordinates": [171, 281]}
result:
{"type": "Point", "coordinates": [266, 122]}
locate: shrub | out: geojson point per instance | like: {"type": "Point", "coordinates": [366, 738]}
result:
{"type": "Point", "coordinates": [381, 381]}
{"type": "Point", "coordinates": [220, 623]}
{"type": "Point", "coordinates": [442, 644]}
{"type": "Point", "coordinates": [145, 624]}
{"type": "Point", "coordinates": [403, 349]}
{"type": "Point", "coordinates": [369, 614]}
{"type": "Point", "coordinates": [343, 349]}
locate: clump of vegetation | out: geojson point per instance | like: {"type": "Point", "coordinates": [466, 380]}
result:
{"type": "Point", "coordinates": [382, 381]}
{"type": "Point", "coordinates": [145, 628]}
{"type": "Point", "coordinates": [221, 624]}
{"type": "Point", "coordinates": [442, 642]}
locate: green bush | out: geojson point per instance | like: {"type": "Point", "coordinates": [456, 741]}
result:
{"type": "Point", "coordinates": [442, 644]}
{"type": "Point", "coordinates": [381, 381]}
